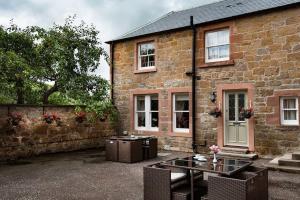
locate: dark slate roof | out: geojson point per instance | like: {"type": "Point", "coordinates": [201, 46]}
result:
{"type": "Point", "coordinates": [204, 14]}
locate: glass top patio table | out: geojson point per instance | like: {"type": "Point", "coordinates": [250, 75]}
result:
{"type": "Point", "coordinates": [224, 166]}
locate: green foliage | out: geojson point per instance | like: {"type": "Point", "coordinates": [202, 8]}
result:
{"type": "Point", "coordinates": [103, 110]}
{"type": "Point", "coordinates": [17, 55]}
{"type": "Point", "coordinates": [58, 98]}
{"type": "Point", "coordinates": [67, 56]}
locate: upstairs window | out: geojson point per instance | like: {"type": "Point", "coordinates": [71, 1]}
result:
{"type": "Point", "coordinates": [146, 55]}
{"type": "Point", "coordinates": [146, 112]}
{"type": "Point", "coordinates": [217, 46]}
{"type": "Point", "coordinates": [289, 111]}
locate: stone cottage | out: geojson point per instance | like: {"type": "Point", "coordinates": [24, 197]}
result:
{"type": "Point", "coordinates": [229, 75]}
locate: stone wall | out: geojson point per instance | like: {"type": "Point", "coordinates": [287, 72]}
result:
{"type": "Point", "coordinates": [265, 52]}
{"type": "Point", "coordinates": [33, 136]}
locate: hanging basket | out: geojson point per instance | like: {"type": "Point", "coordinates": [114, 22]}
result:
{"type": "Point", "coordinates": [246, 113]}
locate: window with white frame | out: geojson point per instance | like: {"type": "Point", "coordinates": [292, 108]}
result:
{"type": "Point", "coordinates": [146, 55]}
{"type": "Point", "coordinates": [146, 112]}
{"type": "Point", "coordinates": [289, 111]}
{"type": "Point", "coordinates": [217, 45]}
{"type": "Point", "coordinates": [181, 112]}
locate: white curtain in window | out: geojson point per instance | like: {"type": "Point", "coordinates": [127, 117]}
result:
{"type": "Point", "coordinates": [224, 51]}
{"type": "Point", "coordinates": [223, 37]}
{"type": "Point", "coordinates": [212, 39]}
{"type": "Point", "coordinates": [290, 115]}
{"type": "Point", "coordinates": [289, 103]}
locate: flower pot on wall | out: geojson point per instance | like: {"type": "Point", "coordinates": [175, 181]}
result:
{"type": "Point", "coordinates": [14, 119]}
{"type": "Point", "coordinates": [48, 120]}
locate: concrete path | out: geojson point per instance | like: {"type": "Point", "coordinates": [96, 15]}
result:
{"type": "Point", "coordinates": [86, 175]}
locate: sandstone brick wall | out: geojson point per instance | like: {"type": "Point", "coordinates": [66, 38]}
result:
{"type": "Point", "coordinates": [33, 136]}
{"type": "Point", "coordinates": [265, 51]}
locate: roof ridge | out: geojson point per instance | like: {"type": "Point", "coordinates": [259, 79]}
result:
{"type": "Point", "coordinates": [142, 26]}
{"type": "Point", "coordinates": [203, 5]}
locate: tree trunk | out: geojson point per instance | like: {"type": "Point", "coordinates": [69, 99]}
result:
{"type": "Point", "coordinates": [20, 92]}
{"type": "Point", "coordinates": [48, 93]}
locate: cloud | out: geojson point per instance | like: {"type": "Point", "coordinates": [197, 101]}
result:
{"type": "Point", "coordinates": [111, 17]}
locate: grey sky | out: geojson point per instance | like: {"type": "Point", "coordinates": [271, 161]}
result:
{"type": "Point", "coordinates": [111, 17]}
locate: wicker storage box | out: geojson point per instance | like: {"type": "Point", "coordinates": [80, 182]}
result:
{"type": "Point", "coordinates": [130, 151]}
{"type": "Point", "coordinates": [111, 148]}
{"type": "Point", "coordinates": [239, 187]}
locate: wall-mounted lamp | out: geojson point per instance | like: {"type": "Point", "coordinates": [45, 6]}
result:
{"type": "Point", "coordinates": [213, 97]}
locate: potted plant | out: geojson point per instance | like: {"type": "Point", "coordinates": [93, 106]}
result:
{"type": "Point", "coordinates": [14, 119]}
{"type": "Point", "coordinates": [57, 119]}
{"type": "Point", "coordinates": [246, 113]}
{"type": "Point", "coordinates": [49, 118]}
{"type": "Point", "coordinates": [80, 116]}
{"type": "Point", "coordinates": [216, 112]}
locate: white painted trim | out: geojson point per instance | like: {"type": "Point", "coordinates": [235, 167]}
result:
{"type": "Point", "coordinates": [206, 47]}
{"type": "Point", "coordinates": [175, 129]}
{"type": "Point", "coordinates": [147, 115]}
{"type": "Point", "coordinates": [148, 55]}
{"type": "Point", "coordinates": [289, 122]}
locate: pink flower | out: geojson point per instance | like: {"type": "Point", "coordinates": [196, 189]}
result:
{"type": "Point", "coordinates": [214, 149]}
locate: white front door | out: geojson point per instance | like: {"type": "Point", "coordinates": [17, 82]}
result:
{"type": "Point", "coordinates": [235, 125]}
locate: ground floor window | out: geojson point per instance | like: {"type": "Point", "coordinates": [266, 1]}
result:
{"type": "Point", "coordinates": [181, 112]}
{"type": "Point", "coordinates": [146, 112]}
{"type": "Point", "coordinates": [289, 111]}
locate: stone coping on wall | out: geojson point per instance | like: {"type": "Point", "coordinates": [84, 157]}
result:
{"type": "Point", "coordinates": [37, 105]}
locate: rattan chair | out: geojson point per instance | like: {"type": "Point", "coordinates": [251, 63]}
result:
{"type": "Point", "coordinates": [239, 187]}
{"type": "Point", "coordinates": [261, 187]}
{"type": "Point", "coordinates": [159, 186]}
{"type": "Point", "coordinates": [157, 183]}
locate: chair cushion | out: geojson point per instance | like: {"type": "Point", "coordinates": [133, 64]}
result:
{"type": "Point", "coordinates": [175, 176]}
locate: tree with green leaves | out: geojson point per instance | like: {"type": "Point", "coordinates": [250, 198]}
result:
{"type": "Point", "coordinates": [68, 56]}
{"type": "Point", "coordinates": [17, 58]}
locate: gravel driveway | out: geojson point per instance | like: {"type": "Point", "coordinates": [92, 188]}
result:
{"type": "Point", "coordinates": [86, 175]}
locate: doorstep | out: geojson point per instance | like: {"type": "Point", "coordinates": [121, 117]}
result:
{"type": "Point", "coordinates": [237, 152]}
{"type": "Point", "coordinates": [251, 156]}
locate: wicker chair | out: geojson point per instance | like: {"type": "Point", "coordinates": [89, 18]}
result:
{"type": "Point", "coordinates": [240, 187]}
{"type": "Point", "coordinates": [261, 187]}
{"type": "Point", "coordinates": [157, 183]}
{"type": "Point", "coordinates": [159, 186]}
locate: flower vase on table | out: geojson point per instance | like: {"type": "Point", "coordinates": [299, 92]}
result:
{"type": "Point", "coordinates": [215, 159]}
{"type": "Point", "coordinates": [214, 149]}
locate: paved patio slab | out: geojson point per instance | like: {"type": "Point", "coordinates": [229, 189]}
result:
{"type": "Point", "coordinates": [86, 175]}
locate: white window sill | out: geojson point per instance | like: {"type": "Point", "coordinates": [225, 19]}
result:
{"type": "Point", "coordinates": [181, 130]}
{"type": "Point", "coordinates": [145, 70]}
{"type": "Point", "coordinates": [147, 129]}
{"type": "Point", "coordinates": [216, 60]}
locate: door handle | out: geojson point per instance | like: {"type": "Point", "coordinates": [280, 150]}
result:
{"type": "Point", "coordinates": [236, 123]}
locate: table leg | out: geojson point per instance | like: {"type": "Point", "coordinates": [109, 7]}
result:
{"type": "Point", "coordinates": [192, 184]}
